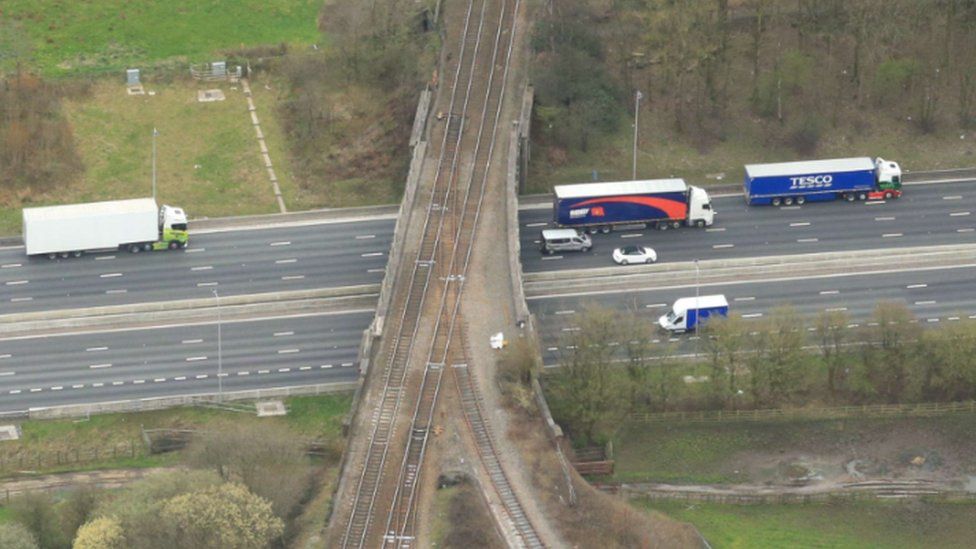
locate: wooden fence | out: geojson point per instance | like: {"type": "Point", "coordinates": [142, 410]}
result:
{"type": "Point", "coordinates": [924, 409]}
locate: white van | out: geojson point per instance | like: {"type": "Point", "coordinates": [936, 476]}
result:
{"type": "Point", "coordinates": [564, 240]}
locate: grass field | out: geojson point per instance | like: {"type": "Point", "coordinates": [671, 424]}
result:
{"type": "Point", "coordinates": [836, 525]}
{"type": "Point", "coordinates": [662, 155]}
{"type": "Point", "coordinates": [308, 417]}
{"type": "Point", "coordinates": [67, 36]}
{"type": "Point", "coordinates": [712, 453]}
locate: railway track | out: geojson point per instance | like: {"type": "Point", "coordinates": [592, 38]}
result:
{"type": "Point", "coordinates": [449, 231]}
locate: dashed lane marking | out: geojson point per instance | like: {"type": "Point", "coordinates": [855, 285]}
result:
{"type": "Point", "coordinates": [891, 235]}
{"type": "Point", "coordinates": [551, 257]}
{"type": "Point", "coordinates": [202, 284]}
{"type": "Point", "coordinates": [287, 351]}
{"type": "Point", "coordinates": [886, 218]}
{"type": "Point", "coordinates": [93, 349]}
{"type": "Point", "coordinates": [293, 277]}
{"type": "Point", "coordinates": [188, 341]}
{"type": "Point", "coordinates": [4, 374]}
{"type": "Point", "coordinates": [953, 197]}
{"type": "Point", "coordinates": [180, 378]}
{"type": "Point", "coordinates": [926, 302]}
{"type": "Point", "coordinates": [715, 230]}
{"type": "Point", "coordinates": [325, 366]}
{"type": "Point", "coordinates": [800, 224]}
{"type": "Point", "coordinates": [20, 299]}
{"type": "Point", "coordinates": [159, 380]}
{"type": "Point", "coordinates": [14, 391]}
{"type": "Point", "coordinates": [280, 334]}
{"type": "Point", "coordinates": [371, 254]}
{"type": "Point", "coordinates": [565, 312]}
{"type": "Point", "coordinates": [194, 250]}
{"type": "Point", "coordinates": [110, 275]}
{"type": "Point", "coordinates": [655, 305]}
{"type": "Point", "coordinates": [718, 246]}
{"type": "Point", "coordinates": [99, 366]}
{"type": "Point", "coordinates": [915, 286]}
{"type": "Point", "coordinates": [959, 214]}
{"type": "Point", "coordinates": [283, 261]}
{"type": "Point", "coordinates": [202, 268]}
{"type": "Point", "coordinates": [752, 298]}
{"type": "Point", "coordinates": [11, 265]}
{"type": "Point", "coordinates": [195, 358]}
{"type": "Point", "coordinates": [281, 243]}
{"type": "Point", "coordinates": [752, 315]}
{"type": "Point", "coordinates": [376, 270]}
{"type": "Point", "coordinates": [365, 236]}
{"type": "Point", "coordinates": [303, 368]}
{"type": "Point", "coordinates": [836, 309]}
{"type": "Point", "coordinates": [119, 291]}
{"type": "Point", "coordinates": [807, 240]}
{"type": "Point", "coordinates": [104, 257]}
{"type": "Point", "coordinates": [78, 386]}
{"type": "Point", "coordinates": [967, 230]}
{"type": "Point", "coordinates": [16, 282]}
{"type": "Point", "coordinates": [57, 388]}
{"type": "Point", "coordinates": [245, 373]}
{"type": "Point", "coordinates": [283, 370]}
{"type": "Point", "coordinates": [631, 235]}
{"type": "Point", "coordinates": [829, 292]}
{"type": "Point", "coordinates": [202, 376]}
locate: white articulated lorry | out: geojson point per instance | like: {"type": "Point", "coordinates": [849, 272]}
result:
{"type": "Point", "coordinates": [134, 225]}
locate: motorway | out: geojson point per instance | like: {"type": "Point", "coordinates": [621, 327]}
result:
{"type": "Point", "coordinates": [934, 295]}
{"type": "Point", "coordinates": [170, 361]}
{"type": "Point", "coordinates": [235, 262]}
{"type": "Point", "coordinates": [927, 214]}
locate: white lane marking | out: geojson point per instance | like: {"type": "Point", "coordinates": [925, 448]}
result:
{"type": "Point", "coordinates": [282, 261]}
{"type": "Point", "coordinates": [303, 368]}
{"type": "Point", "coordinates": [20, 299]}
{"type": "Point", "coordinates": [325, 366]}
{"type": "Point", "coordinates": [655, 305]}
{"type": "Point", "coordinates": [78, 386]}
{"type": "Point", "coordinates": [959, 214]}
{"type": "Point", "coordinates": [104, 257]}
{"type": "Point", "coordinates": [874, 202]}
{"type": "Point", "coordinates": [122, 291]}
{"type": "Point", "coordinates": [293, 277]}
{"type": "Point", "coordinates": [11, 266]}
{"type": "Point", "coordinates": [279, 334]}
{"type": "Point", "coordinates": [15, 392]}
{"type": "Point", "coordinates": [264, 371]}
{"type": "Point", "coordinates": [376, 270]}
{"type": "Point", "coordinates": [39, 389]}
{"type": "Point", "coordinates": [4, 374]}
{"type": "Point", "coordinates": [98, 384]}
{"type": "Point", "coordinates": [284, 370]}
{"type": "Point", "coordinates": [118, 382]}
{"type": "Point", "coordinates": [16, 282]}
{"type": "Point", "coordinates": [752, 315]}
{"type": "Point", "coordinates": [753, 298]}
{"type": "Point", "coordinates": [790, 208]}
{"type": "Point", "coordinates": [139, 382]}
{"type": "Point", "coordinates": [891, 235]}
{"type": "Point", "coordinates": [8, 355]}
{"type": "Point", "coordinates": [551, 257]}
{"type": "Point", "coordinates": [953, 318]}
{"type": "Point", "coordinates": [836, 309]}
{"type": "Point", "coordinates": [800, 224]}
{"type": "Point", "coordinates": [346, 364]}
{"type": "Point", "coordinates": [193, 250]}
{"type": "Point", "coordinates": [188, 341]}
{"type": "Point", "coordinates": [282, 243]}
{"type": "Point", "coordinates": [287, 351]}
{"type": "Point", "coordinates": [57, 388]}
{"type": "Point", "coordinates": [829, 292]}
{"type": "Point", "coordinates": [103, 365]}
{"type": "Point", "coordinates": [968, 230]}
{"type": "Point", "coordinates": [110, 275]}
{"type": "Point", "coordinates": [202, 268]}
{"type": "Point", "coordinates": [565, 312]}
{"type": "Point", "coordinates": [717, 246]}
{"type": "Point", "coordinates": [914, 286]}
{"type": "Point", "coordinates": [223, 374]}
{"type": "Point", "coordinates": [93, 349]}
{"type": "Point", "coordinates": [159, 380]}
{"type": "Point", "coordinates": [202, 376]}
{"type": "Point", "coordinates": [180, 378]}
{"type": "Point", "coordinates": [540, 224]}
{"type": "Point", "coordinates": [195, 358]}
{"type": "Point", "coordinates": [926, 302]}
{"type": "Point", "coordinates": [953, 197]}
{"type": "Point", "coordinates": [631, 235]}
{"type": "Point", "coordinates": [886, 218]}
{"type": "Point", "coordinates": [572, 329]}
{"type": "Point", "coordinates": [715, 230]}
{"type": "Point", "coordinates": [201, 284]}
{"type": "Point", "coordinates": [365, 236]}
{"type": "Point", "coordinates": [808, 240]}
{"type": "Point", "coordinates": [371, 254]}
{"type": "Point", "coordinates": [243, 373]}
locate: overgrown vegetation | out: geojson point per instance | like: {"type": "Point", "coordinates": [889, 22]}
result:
{"type": "Point", "coordinates": [726, 83]}
{"type": "Point", "coordinates": [611, 368]}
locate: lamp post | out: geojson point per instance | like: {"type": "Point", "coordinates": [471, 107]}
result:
{"type": "Point", "coordinates": [220, 353]}
{"type": "Point", "coordinates": [637, 98]}
{"type": "Point", "coordinates": [154, 134]}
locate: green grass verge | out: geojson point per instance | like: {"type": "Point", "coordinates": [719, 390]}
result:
{"type": "Point", "coordinates": [661, 154]}
{"type": "Point", "coordinates": [308, 417]}
{"type": "Point", "coordinates": [707, 453]}
{"type": "Point", "coordinates": [836, 525]}
{"type": "Point", "coordinates": [73, 36]}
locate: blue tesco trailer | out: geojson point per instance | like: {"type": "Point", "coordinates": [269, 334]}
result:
{"type": "Point", "coordinates": [786, 183]}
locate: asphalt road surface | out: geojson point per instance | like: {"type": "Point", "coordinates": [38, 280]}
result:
{"type": "Point", "coordinates": [943, 213]}
{"type": "Point", "coordinates": [128, 364]}
{"type": "Point", "coordinates": [234, 262]}
{"type": "Point", "coordinates": [935, 296]}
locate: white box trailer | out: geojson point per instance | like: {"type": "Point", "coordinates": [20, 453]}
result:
{"type": "Point", "coordinates": [135, 224]}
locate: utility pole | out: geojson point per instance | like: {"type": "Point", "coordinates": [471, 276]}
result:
{"type": "Point", "coordinates": [220, 357]}
{"type": "Point", "coordinates": [154, 134]}
{"type": "Point", "coordinates": [637, 99]}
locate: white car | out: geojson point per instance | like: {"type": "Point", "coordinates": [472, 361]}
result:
{"type": "Point", "coordinates": [628, 255]}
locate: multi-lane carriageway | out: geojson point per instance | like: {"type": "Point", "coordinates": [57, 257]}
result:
{"type": "Point", "coordinates": [37, 371]}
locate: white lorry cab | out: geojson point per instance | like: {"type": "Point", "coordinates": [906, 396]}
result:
{"type": "Point", "coordinates": [688, 312]}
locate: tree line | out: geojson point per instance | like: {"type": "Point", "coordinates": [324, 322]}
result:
{"type": "Point", "coordinates": [610, 367]}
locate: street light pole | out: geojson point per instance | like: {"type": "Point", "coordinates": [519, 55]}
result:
{"type": "Point", "coordinates": [220, 353]}
{"type": "Point", "coordinates": [155, 133]}
{"type": "Point", "coordinates": [637, 99]}
{"type": "Point", "coordinates": [697, 310]}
